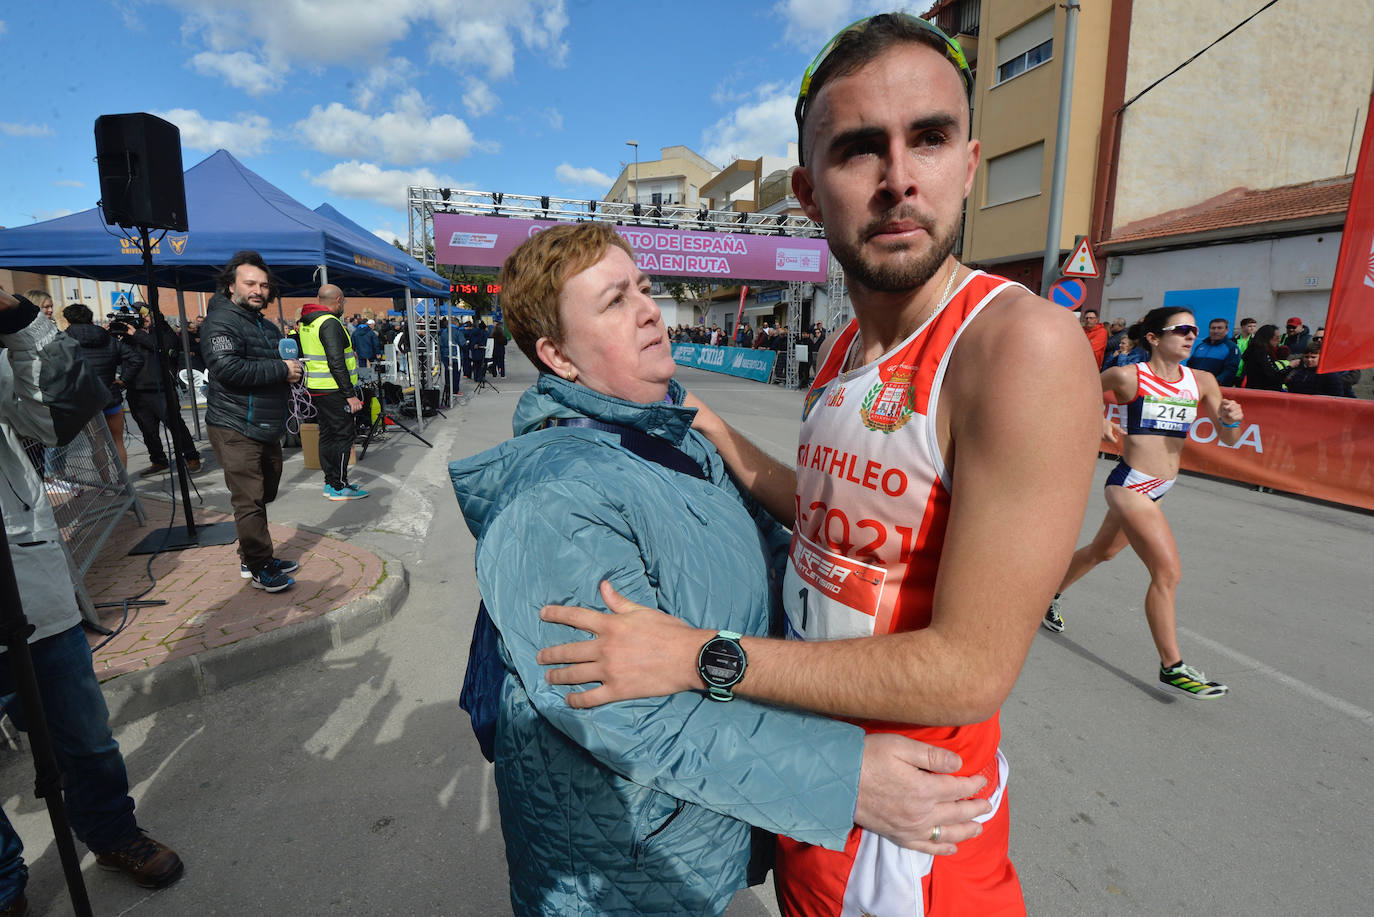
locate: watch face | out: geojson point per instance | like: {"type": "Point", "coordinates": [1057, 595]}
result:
{"type": "Point", "coordinates": [721, 662]}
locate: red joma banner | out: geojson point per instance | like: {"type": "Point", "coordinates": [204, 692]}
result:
{"type": "Point", "coordinates": [1350, 317]}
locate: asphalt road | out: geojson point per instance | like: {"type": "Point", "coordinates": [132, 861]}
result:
{"type": "Point", "coordinates": [351, 784]}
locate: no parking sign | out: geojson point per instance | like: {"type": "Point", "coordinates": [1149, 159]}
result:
{"type": "Point", "coordinates": [1069, 293]}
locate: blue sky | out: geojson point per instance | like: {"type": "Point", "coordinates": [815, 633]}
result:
{"type": "Point", "coordinates": [350, 101]}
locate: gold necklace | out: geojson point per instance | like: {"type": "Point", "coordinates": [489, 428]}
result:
{"type": "Point", "coordinates": [856, 352]}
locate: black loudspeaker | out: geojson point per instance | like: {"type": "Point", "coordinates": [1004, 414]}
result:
{"type": "Point", "coordinates": [141, 182]}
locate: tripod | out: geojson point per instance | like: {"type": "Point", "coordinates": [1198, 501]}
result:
{"type": "Point", "coordinates": [479, 375]}
{"type": "Point", "coordinates": [370, 391]}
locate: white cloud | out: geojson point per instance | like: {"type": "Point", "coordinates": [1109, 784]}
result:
{"type": "Point", "coordinates": [479, 99]}
{"type": "Point", "coordinates": [240, 70]}
{"type": "Point", "coordinates": [247, 135]}
{"type": "Point", "coordinates": [404, 136]}
{"type": "Point", "coordinates": [813, 22]}
{"type": "Point", "coordinates": [16, 129]}
{"type": "Point", "coordinates": [3, 27]}
{"type": "Point", "coordinates": [42, 215]}
{"type": "Point", "coordinates": [395, 73]}
{"type": "Point", "coordinates": [69, 183]}
{"type": "Point", "coordinates": [366, 181]}
{"type": "Point", "coordinates": [754, 129]}
{"type": "Point", "coordinates": [387, 236]}
{"type": "Point", "coordinates": [555, 118]}
{"type": "Point", "coordinates": [593, 178]}
{"type": "Point", "coordinates": [468, 36]}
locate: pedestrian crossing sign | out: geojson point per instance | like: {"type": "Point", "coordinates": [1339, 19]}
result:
{"type": "Point", "coordinates": [120, 300]}
{"type": "Point", "coordinates": [1081, 263]}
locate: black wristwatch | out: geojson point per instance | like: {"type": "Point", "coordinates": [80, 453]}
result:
{"type": "Point", "coordinates": [721, 664]}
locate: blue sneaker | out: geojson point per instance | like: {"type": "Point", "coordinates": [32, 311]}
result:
{"type": "Point", "coordinates": [342, 493]}
{"type": "Point", "coordinates": [281, 566]}
{"type": "Point", "coordinates": [358, 492]}
{"type": "Point", "coordinates": [271, 580]}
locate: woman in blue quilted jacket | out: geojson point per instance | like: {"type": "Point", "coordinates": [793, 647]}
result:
{"type": "Point", "coordinates": [646, 806]}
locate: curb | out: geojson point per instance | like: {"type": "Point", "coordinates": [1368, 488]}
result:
{"type": "Point", "coordinates": [135, 695]}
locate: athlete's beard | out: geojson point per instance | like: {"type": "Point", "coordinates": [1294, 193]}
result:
{"type": "Point", "coordinates": [895, 275]}
{"type": "Point", "coordinates": [246, 302]}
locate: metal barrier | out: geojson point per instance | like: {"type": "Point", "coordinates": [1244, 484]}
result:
{"type": "Point", "coordinates": [90, 492]}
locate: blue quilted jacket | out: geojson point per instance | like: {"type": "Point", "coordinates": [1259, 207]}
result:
{"type": "Point", "coordinates": [638, 807]}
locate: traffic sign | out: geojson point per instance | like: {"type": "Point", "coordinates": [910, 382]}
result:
{"type": "Point", "coordinates": [1081, 263]}
{"type": "Point", "coordinates": [120, 299]}
{"type": "Point", "coordinates": [1069, 293]}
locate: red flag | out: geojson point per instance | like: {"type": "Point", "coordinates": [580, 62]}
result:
{"type": "Point", "coordinates": [739, 316]}
{"type": "Point", "coordinates": [1349, 340]}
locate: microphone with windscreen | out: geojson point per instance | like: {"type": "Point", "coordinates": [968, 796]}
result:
{"type": "Point", "coordinates": [288, 349]}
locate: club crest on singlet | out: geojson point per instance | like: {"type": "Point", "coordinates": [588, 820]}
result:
{"type": "Point", "coordinates": [812, 397]}
{"type": "Point", "coordinates": [887, 406]}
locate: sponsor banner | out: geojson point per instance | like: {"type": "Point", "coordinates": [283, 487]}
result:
{"type": "Point", "coordinates": [734, 361]}
{"type": "Point", "coordinates": [485, 241]}
{"type": "Point", "coordinates": [1313, 445]}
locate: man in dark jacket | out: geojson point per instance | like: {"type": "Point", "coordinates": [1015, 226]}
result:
{"type": "Point", "coordinates": [1296, 337]}
{"type": "Point", "coordinates": [331, 377]}
{"type": "Point", "coordinates": [1217, 353]}
{"type": "Point", "coordinates": [148, 395]}
{"type": "Point", "coordinates": [107, 356]}
{"type": "Point", "coordinates": [246, 409]}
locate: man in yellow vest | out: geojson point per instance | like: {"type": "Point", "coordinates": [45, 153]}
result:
{"type": "Point", "coordinates": [331, 377]}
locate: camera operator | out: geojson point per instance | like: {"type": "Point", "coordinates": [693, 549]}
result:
{"type": "Point", "coordinates": [147, 392]}
{"type": "Point", "coordinates": [95, 783]}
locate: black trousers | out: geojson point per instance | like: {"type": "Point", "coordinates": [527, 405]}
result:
{"type": "Point", "coordinates": [337, 430]}
{"type": "Point", "coordinates": [150, 412]}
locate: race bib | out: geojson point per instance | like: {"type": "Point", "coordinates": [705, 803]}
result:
{"type": "Point", "coordinates": [1175, 414]}
{"type": "Point", "coordinates": [828, 596]}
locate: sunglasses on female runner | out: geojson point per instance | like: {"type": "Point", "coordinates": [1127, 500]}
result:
{"type": "Point", "coordinates": [1181, 330]}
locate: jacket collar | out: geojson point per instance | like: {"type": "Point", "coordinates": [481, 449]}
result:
{"type": "Point", "coordinates": [552, 397]}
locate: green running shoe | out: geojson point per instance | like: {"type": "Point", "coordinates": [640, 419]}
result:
{"type": "Point", "coordinates": [1188, 680]}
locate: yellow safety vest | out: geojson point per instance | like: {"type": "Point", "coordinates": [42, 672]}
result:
{"type": "Point", "coordinates": [318, 378]}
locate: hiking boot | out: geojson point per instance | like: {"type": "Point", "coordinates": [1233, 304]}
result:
{"type": "Point", "coordinates": [343, 493]}
{"type": "Point", "coordinates": [193, 464]}
{"type": "Point", "coordinates": [16, 908]}
{"type": "Point", "coordinates": [1187, 680]}
{"type": "Point", "coordinates": [154, 468]}
{"type": "Point", "coordinates": [271, 579]}
{"type": "Point", "coordinates": [1053, 621]}
{"type": "Point", "coordinates": [148, 863]}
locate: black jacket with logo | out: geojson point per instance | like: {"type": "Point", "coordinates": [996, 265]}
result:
{"type": "Point", "coordinates": [249, 391]}
{"type": "Point", "coordinates": [104, 353]}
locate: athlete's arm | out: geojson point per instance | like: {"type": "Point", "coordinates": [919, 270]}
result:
{"type": "Point", "coordinates": [1119, 383]}
{"type": "Point", "coordinates": [1021, 446]}
{"type": "Point", "coordinates": [770, 482]}
{"type": "Point", "coordinates": [1224, 412]}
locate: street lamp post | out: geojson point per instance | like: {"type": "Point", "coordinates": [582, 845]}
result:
{"type": "Point", "coordinates": [635, 144]}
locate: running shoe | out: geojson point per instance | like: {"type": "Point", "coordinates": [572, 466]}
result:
{"type": "Point", "coordinates": [270, 579]}
{"type": "Point", "coordinates": [1188, 680]}
{"type": "Point", "coordinates": [358, 492]}
{"type": "Point", "coordinates": [342, 493]}
{"type": "Point", "coordinates": [1053, 621]}
{"type": "Point", "coordinates": [276, 563]}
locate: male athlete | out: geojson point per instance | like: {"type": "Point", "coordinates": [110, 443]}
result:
{"type": "Point", "coordinates": [947, 449]}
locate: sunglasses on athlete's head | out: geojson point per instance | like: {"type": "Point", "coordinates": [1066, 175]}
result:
{"type": "Point", "coordinates": [953, 53]}
{"type": "Point", "coordinates": [1181, 330]}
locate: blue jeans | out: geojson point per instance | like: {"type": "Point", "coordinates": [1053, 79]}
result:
{"type": "Point", "coordinates": [94, 783]}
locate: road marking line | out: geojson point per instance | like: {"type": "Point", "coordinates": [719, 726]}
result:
{"type": "Point", "coordinates": [1353, 711]}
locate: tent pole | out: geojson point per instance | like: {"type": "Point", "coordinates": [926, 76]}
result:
{"type": "Point", "coordinates": [186, 353]}
{"type": "Point", "coordinates": [416, 379]}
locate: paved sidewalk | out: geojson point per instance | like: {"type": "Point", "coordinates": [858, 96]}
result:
{"type": "Point", "coordinates": [215, 628]}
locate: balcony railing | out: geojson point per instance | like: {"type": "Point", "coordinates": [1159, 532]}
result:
{"type": "Point", "coordinates": [960, 18]}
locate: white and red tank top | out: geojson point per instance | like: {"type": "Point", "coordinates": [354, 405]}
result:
{"type": "Point", "coordinates": [1162, 408]}
{"type": "Point", "coordinates": [873, 498]}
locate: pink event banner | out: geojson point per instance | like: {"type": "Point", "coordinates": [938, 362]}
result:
{"type": "Point", "coordinates": [483, 241]}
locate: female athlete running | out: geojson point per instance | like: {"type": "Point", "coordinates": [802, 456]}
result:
{"type": "Point", "coordinates": [1162, 399]}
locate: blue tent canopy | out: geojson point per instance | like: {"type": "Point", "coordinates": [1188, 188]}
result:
{"type": "Point", "coordinates": [425, 282]}
{"type": "Point", "coordinates": [229, 208]}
